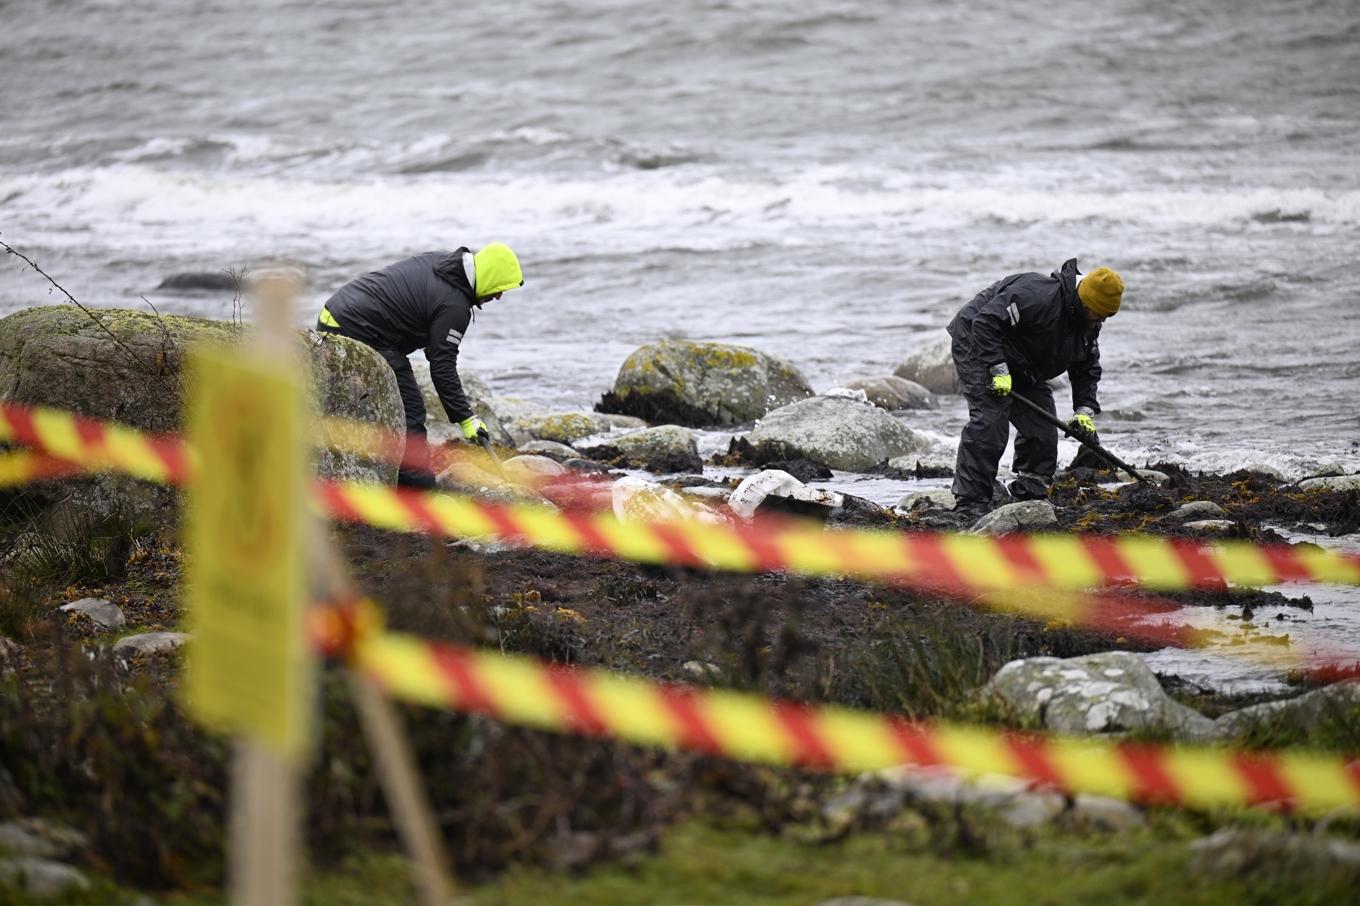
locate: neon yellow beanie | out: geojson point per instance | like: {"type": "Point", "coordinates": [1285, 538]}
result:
{"type": "Point", "coordinates": [497, 270]}
{"type": "Point", "coordinates": [1101, 291]}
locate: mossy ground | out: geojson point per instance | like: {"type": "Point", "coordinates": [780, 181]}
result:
{"type": "Point", "coordinates": [735, 865]}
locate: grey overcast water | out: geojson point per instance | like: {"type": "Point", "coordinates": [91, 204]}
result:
{"type": "Point", "coordinates": [825, 181]}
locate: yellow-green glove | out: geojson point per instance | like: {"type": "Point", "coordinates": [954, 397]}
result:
{"type": "Point", "coordinates": [1001, 379]}
{"type": "Point", "coordinates": [1082, 421]}
{"type": "Point", "coordinates": [474, 429]}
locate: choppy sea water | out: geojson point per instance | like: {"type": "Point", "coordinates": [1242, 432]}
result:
{"type": "Point", "coordinates": [826, 181]}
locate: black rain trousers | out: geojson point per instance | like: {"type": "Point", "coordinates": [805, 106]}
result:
{"type": "Point", "coordinates": [415, 467]}
{"type": "Point", "coordinates": [984, 437]}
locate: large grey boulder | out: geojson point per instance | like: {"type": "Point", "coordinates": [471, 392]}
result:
{"type": "Point", "coordinates": [685, 382]}
{"type": "Point", "coordinates": [1339, 701]}
{"type": "Point", "coordinates": [662, 450]}
{"type": "Point", "coordinates": [842, 433]}
{"type": "Point", "coordinates": [931, 366]}
{"type": "Point", "coordinates": [892, 393]}
{"type": "Point", "coordinates": [1111, 692]}
{"type": "Point", "coordinates": [1021, 516]}
{"type": "Point", "coordinates": [479, 397]}
{"type": "Point", "coordinates": [127, 366]}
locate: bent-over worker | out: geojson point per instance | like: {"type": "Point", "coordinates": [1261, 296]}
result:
{"type": "Point", "coordinates": [1014, 337]}
{"type": "Point", "coordinates": [425, 302]}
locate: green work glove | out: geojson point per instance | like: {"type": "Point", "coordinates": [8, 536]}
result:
{"type": "Point", "coordinates": [1001, 379]}
{"type": "Point", "coordinates": [474, 429]}
{"type": "Point", "coordinates": [1082, 421]}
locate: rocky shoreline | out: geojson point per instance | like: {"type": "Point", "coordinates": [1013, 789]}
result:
{"type": "Point", "coordinates": [93, 564]}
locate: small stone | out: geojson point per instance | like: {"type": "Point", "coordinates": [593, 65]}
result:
{"type": "Point", "coordinates": [702, 671]}
{"type": "Point", "coordinates": [149, 643]}
{"type": "Point", "coordinates": [1211, 526]}
{"type": "Point", "coordinates": [1014, 517]}
{"type": "Point", "coordinates": [935, 498]}
{"type": "Point", "coordinates": [41, 878]}
{"type": "Point", "coordinates": [1198, 509]}
{"type": "Point", "coordinates": [1160, 479]}
{"type": "Point", "coordinates": [105, 614]}
{"type": "Point", "coordinates": [549, 448]}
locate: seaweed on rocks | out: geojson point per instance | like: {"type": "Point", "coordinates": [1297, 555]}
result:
{"type": "Point", "coordinates": [658, 408]}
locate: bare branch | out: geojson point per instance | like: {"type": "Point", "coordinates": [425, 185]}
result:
{"type": "Point", "coordinates": [150, 370]}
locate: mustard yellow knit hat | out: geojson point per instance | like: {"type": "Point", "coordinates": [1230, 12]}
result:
{"type": "Point", "coordinates": [1101, 291]}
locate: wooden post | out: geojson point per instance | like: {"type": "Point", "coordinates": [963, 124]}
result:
{"type": "Point", "coordinates": [401, 784]}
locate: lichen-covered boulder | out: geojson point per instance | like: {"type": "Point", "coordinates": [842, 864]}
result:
{"type": "Point", "coordinates": [842, 433]}
{"type": "Point", "coordinates": [662, 450]}
{"type": "Point", "coordinates": [127, 366]}
{"type": "Point", "coordinates": [892, 393]}
{"type": "Point", "coordinates": [685, 382]}
{"type": "Point", "coordinates": [1111, 692]}
{"type": "Point", "coordinates": [931, 366]}
{"type": "Point", "coordinates": [351, 381]}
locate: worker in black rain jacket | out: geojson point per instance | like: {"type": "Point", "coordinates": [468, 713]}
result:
{"type": "Point", "coordinates": [425, 302]}
{"type": "Point", "coordinates": [1012, 338]}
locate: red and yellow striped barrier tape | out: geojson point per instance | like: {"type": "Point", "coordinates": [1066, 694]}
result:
{"type": "Point", "coordinates": [23, 466]}
{"type": "Point", "coordinates": [163, 459]}
{"type": "Point", "coordinates": [956, 562]}
{"type": "Point", "coordinates": [974, 562]}
{"type": "Point", "coordinates": [746, 727]}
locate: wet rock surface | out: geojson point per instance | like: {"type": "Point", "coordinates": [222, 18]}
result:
{"type": "Point", "coordinates": [932, 366]}
{"type": "Point", "coordinates": [841, 433]}
{"type": "Point", "coordinates": [696, 384]}
{"type": "Point", "coordinates": [1021, 516]}
{"type": "Point", "coordinates": [662, 450]}
{"type": "Point", "coordinates": [893, 393]}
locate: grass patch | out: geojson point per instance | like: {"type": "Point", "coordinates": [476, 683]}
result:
{"type": "Point", "coordinates": [702, 863]}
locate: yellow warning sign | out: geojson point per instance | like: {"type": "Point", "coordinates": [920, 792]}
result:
{"type": "Point", "coordinates": [249, 668]}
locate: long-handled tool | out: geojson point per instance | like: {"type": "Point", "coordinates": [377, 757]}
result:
{"type": "Point", "coordinates": [1079, 437]}
{"type": "Point", "coordinates": [495, 460]}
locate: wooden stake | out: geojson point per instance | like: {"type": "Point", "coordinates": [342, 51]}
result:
{"type": "Point", "coordinates": [264, 830]}
{"type": "Point", "coordinates": [401, 785]}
